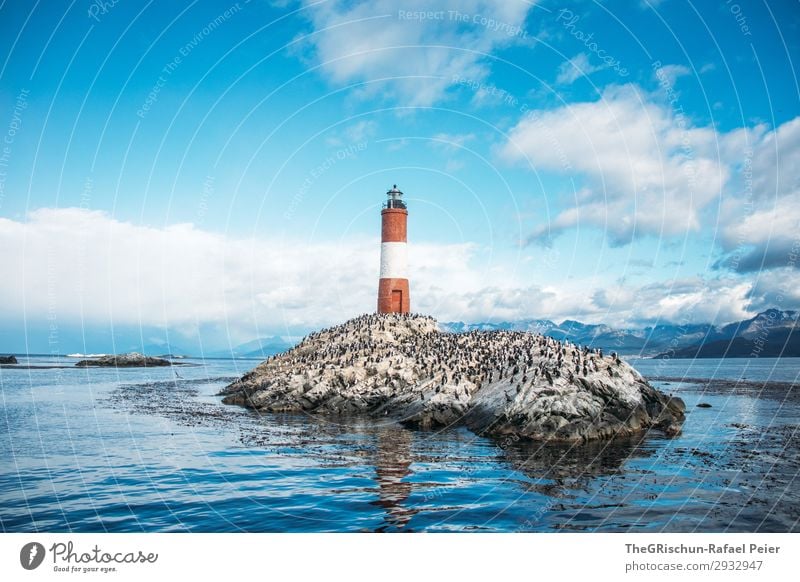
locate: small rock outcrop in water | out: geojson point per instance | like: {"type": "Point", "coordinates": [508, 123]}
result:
{"type": "Point", "coordinates": [497, 383]}
{"type": "Point", "coordinates": [8, 360]}
{"type": "Point", "coordinates": [132, 360]}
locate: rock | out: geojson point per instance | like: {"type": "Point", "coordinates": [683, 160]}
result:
{"type": "Point", "coordinates": [704, 405]}
{"type": "Point", "coordinates": [498, 383]}
{"type": "Point", "coordinates": [8, 360]}
{"type": "Point", "coordinates": [131, 360]}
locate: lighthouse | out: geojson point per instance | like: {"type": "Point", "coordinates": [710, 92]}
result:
{"type": "Point", "coordinates": [393, 295]}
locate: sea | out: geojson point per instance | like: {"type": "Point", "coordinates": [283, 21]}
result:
{"type": "Point", "coordinates": [155, 450]}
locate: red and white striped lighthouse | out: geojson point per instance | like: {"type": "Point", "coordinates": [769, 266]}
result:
{"type": "Point", "coordinates": [393, 295]}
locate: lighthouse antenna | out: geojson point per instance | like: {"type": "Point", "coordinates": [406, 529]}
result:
{"type": "Point", "coordinates": [395, 198]}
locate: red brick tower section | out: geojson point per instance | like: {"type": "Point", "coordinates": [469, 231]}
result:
{"type": "Point", "coordinates": [393, 293]}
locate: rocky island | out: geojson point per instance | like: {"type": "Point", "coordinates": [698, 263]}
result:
{"type": "Point", "coordinates": [498, 383]}
{"type": "Point", "coordinates": [8, 359]}
{"type": "Point", "coordinates": [131, 360]}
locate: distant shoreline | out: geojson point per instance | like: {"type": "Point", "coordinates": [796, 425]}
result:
{"type": "Point", "coordinates": [776, 390]}
{"type": "Point", "coordinates": [60, 367]}
{"type": "Point", "coordinates": [72, 357]}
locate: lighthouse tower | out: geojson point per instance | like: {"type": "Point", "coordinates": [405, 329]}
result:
{"type": "Point", "coordinates": [393, 295]}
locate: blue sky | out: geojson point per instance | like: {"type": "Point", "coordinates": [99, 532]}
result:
{"type": "Point", "coordinates": [213, 171]}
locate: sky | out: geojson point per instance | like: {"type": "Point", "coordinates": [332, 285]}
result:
{"type": "Point", "coordinates": [205, 173]}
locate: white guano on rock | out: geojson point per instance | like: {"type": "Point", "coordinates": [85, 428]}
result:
{"type": "Point", "coordinates": [401, 367]}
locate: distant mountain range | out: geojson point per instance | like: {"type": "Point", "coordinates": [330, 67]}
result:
{"type": "Point", "coordinates": [257, 348]}
{"type": "Point", "coordinates": [771, 333]}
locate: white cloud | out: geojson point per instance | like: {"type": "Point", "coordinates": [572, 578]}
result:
{"type": "Point", "coordinates": [760, 215]}
{"type": "Point", "coordinates": [452, 141]}
{"type": "Point", "coordinates": [361, 131]}
{"type": "Point", "coordinates": [763, 238]}
{"type": "Point", "coordinates": [671, 73]}
{"type": "Point", "coordinates": [575, 68]}
{"type": "Point", "coordinates": [776, 161]}
{"type": "Point", "coordinates": [707, 68]}
{"type": "Point", "coordinates": [358, 132]}
{"type": "Point", "coordinates": [648, 172]}
{"type": "Point", "coordinates": [416, 59]}
{"type": "Point", "coordinates": [688, 300]}
{"type": "Point", "coordinates": [780, 289]}
{"type": "Point", "coordinates": [453, 166]}
{"type": "Point", "coordinates": [451, 144]}
{"type": "Point", "coordinates": [650, 4]}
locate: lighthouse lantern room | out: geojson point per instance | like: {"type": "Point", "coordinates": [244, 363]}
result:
{"type": "Point", "coordinates": [393, 295]}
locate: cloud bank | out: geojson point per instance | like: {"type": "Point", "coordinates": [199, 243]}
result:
{"type": "Point", "coordinates": [87, 267]}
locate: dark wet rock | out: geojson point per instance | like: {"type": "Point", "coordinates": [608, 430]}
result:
{"type": "Point", "coordinates": [176, 399]}
{"type": "Point", "coordinates": [131, 360]}
{"type": "Point", "coordinates": [8, 360]}
{"type": "Point", "coordinates": [782, 391]}
{"type": "Point", "coordinates": [704, 405]}
{"type": "Point", "coordinates": [498, 383]}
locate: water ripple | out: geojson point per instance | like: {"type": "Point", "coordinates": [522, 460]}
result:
{"type": "Point", "coordinates": [141, 452]}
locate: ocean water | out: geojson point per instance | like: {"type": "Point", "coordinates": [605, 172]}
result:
{"type": "Point", "coordinates": [95, 450]}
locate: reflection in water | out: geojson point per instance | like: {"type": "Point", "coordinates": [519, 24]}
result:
{"type": "Point", "coordinates": [571, 466]}
{"type": "Point", "coordinates": [571, 478]}
{"type": "Point", "coordinates": [558, 471]}
{"type": "Point", "coordinates": [392, 465]}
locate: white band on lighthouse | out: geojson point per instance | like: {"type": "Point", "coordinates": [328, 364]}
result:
{"type": "Point", "coordinates": [394, 260]}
